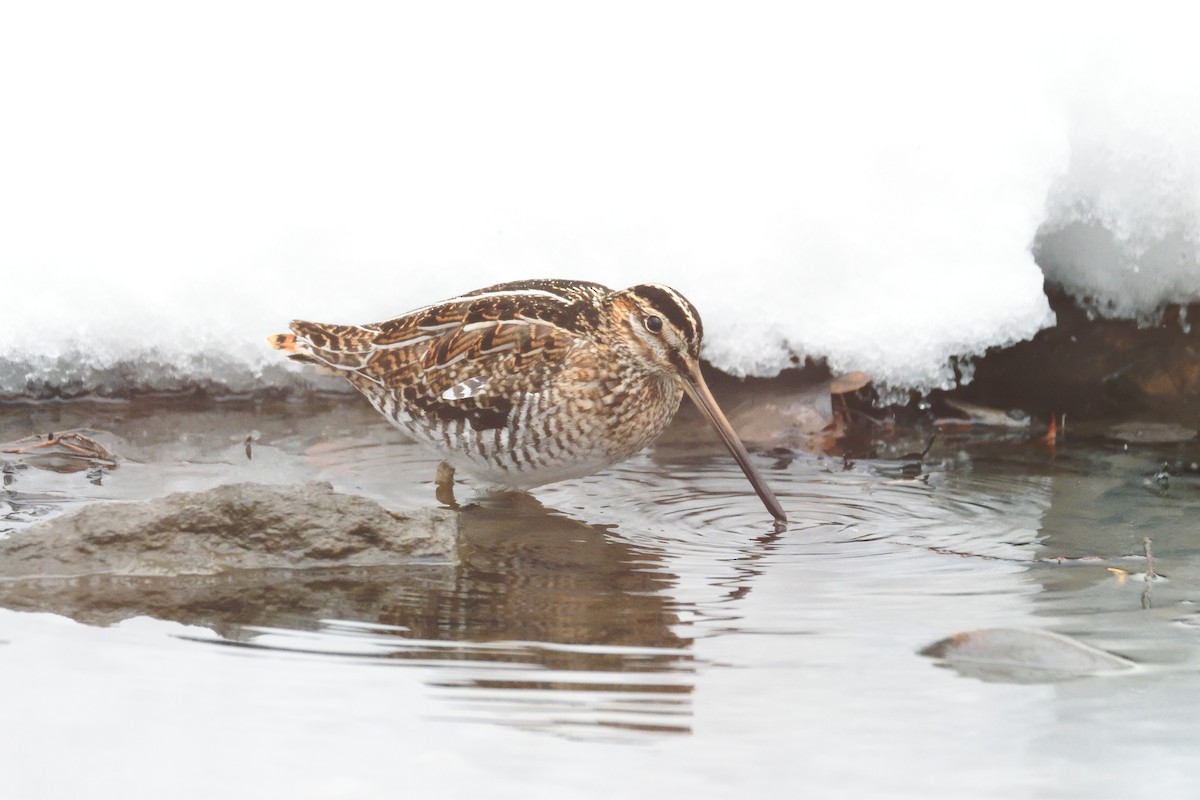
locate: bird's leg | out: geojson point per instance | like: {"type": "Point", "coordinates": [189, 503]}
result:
{"type": "Point", "coordinates": [444, 479]}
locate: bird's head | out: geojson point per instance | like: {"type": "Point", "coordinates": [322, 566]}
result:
{"type": "Point", "coordinates": [659, 325]}
{"type": "Point", "coordinates": [663, 330]}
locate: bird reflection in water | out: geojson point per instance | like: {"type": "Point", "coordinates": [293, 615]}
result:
{"type": "Point", "coordinates": [543, 622]}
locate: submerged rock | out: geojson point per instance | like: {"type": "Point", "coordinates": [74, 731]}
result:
{"type": "Point", "coordinates": [233, 527]}
{"type": "Point", "coordinates": [1151, 432]}
{"type": "Point", "coordinates": [1018, 655]}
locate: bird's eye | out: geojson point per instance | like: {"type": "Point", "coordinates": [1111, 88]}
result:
{"type": "Point", "coordinates": [654, 324]}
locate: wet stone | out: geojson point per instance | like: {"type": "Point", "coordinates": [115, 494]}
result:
{"type": "Point", "coordinates": [1018, 655]}
{"type": "Point", "coordinates": [1151, 432]}
{"type": "Point", "coordinates": [234, 527]}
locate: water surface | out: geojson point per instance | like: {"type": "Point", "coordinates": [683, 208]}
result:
{"type": "Point", "coordinates": [637, 633]}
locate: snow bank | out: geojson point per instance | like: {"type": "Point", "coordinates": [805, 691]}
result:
{"type": "Point", "coordinates": [862, 184]}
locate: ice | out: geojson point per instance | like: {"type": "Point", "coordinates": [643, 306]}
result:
{"type": "Point", "coordinates": [864, 184]}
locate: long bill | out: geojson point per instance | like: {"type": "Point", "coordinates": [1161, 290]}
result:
{"type": "Point", "coordinates": [697, 389]}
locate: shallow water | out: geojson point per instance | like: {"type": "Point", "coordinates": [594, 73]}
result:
{"type": "Point", "coordinates": [639, 632]}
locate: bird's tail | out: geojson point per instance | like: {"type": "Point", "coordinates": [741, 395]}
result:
{"type": "Point", "coordinates": [297, 349]}
{"type": "Point", "coordinates": [332, 348]}
{"type": "Point", "coordinates": [286, 342]}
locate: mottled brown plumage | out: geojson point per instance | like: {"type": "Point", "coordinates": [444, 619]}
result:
{"type": "Point", "coordinates": [531, 382]}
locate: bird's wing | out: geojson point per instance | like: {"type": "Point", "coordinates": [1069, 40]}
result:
{"type": "Point", "coordinates": [441, 366]}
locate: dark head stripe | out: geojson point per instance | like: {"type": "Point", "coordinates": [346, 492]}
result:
{"type": "Point", "coordinates": [672, 305]}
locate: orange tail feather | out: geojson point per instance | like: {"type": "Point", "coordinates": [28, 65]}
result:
{"type": "Point", "coordinates": [284, 341]}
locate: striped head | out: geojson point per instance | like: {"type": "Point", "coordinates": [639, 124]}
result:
{"type": "Point", "coordinates": [659, 325]}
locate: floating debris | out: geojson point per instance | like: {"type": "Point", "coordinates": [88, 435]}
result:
{"type": "Point", "coordinates": [66, 451]}
{"type": "Point", "coordinates": [1051, 437]}
{"type": "Point", "coordinates": [982, 415]}
{"type": "Point", "coordinates": [1150, 576]}
{"type": "Point", "coordinates": [1163, 476]}
{"type": "Point", "coordinates": [248, 442]}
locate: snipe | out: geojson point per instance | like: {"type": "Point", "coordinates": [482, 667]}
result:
{"type": "Point", "coordinates": [526, 383]}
